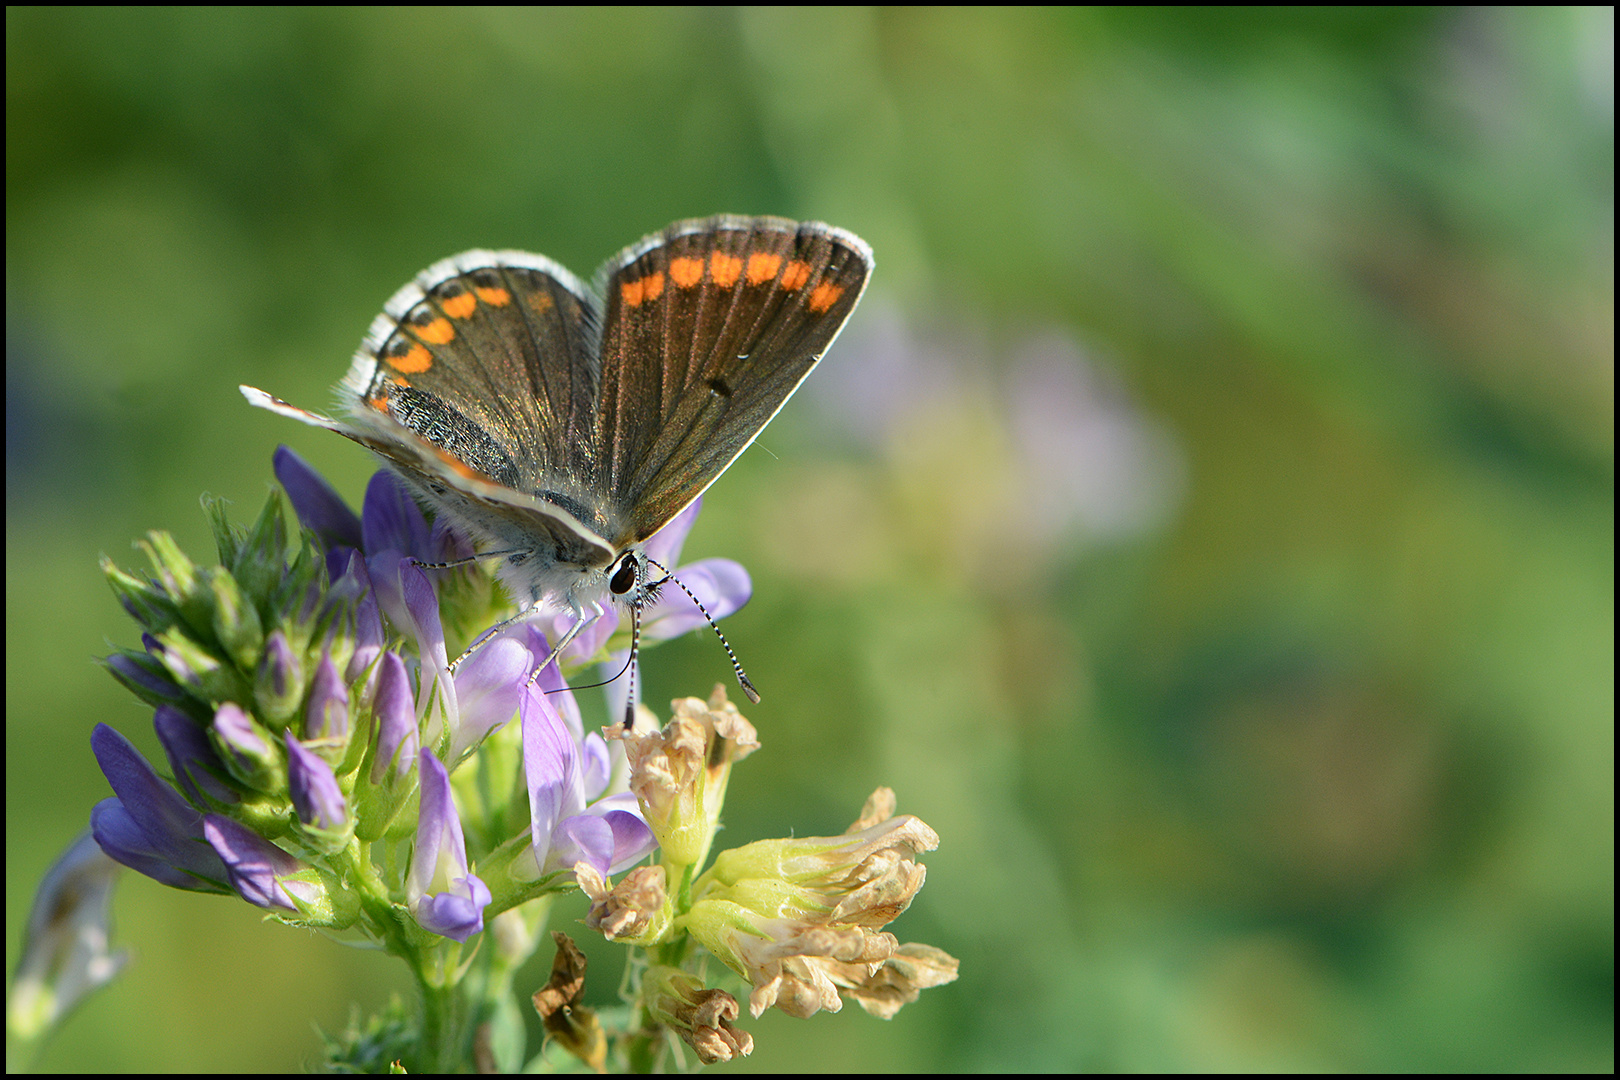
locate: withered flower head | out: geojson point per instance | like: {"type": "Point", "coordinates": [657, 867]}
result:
{"type": "Point", "coordinates": [801, 918]}
{"type": "Point", "coordinates": [636, 911]}
{"type": "Point", "coordinates": [679, 773]}
{"type": "Point", "coordinates": [703, 1018]}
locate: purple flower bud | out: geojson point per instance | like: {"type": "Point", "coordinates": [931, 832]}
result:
{"type": "Point", "coordinates": [245, 749]}
{"type": "Point", "coordinates": [196, 765]}
{"type": "Point", "coordinates": [395, 709]}
{"type": "Point", "coordinates": [279, 684]}
{"type": "Point", "coordinates": [146, 677]}
{"type": "Point", "coordinates": [368, 629]}
{"type": "Point", "coordinates": [257, 867]}
{"type": "Point", "coordinates": [316, 797]}
{"type": "Point", "coordinates": [327, 714]}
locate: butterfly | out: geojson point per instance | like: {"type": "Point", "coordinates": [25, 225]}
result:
{"type": "Point", "coordinates": [560, 425]}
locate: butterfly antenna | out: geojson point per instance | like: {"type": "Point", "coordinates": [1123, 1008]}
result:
{"type": "Point", "coordinates": [593, 685]}
{"type": "Point", "coordinates": [736, 665]}
{"type": "Point", "coordinates": [635, 646]}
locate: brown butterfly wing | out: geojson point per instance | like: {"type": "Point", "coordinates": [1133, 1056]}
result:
{"type": "Point", "coordinates": [709, 328]}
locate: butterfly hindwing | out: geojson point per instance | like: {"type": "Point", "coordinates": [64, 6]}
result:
{"type": "Point", "coordinates": [444, 481]}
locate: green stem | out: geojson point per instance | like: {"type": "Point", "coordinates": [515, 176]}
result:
{"type": "Point", "coordinates": [445, 1045]}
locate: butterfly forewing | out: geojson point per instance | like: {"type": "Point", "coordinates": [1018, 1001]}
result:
{"type": "Point", "coordinates": [709, 328]}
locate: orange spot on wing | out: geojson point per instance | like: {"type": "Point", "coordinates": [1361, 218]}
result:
{"type": "Point", "coordinates": [762, 268]}
{"type": "Point", "coordinates": [541, 302]}
{"type": "Point", "coordinates": [412, 361]}
{"type": "Point", "coordinates": [494, 296]}
{"type": "Point", "coordinates": [379, 400]}
{"type": "Point", "coordinates": [725, 269]}
{"type": "Point", "coordinates": [795, 275]}
{"type": "Point", "coordinates": [824, 296]}
{"type": "Point", "coordinates": [459, 307]}
{"type": "Point", "coordinates": [642, 290]}
{"type": "Point", "coordinates": [686, 272]}
{"type": "Point", "coordinates": [437, 332]}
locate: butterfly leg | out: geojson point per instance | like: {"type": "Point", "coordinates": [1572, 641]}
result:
{"type": "Point", "coordinates": [478, 641]}
{"type": "Point", "coordinates": [581, 621]}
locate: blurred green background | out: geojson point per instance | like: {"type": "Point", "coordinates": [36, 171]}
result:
{"type": "Point", "coordinates": [1205, 524]}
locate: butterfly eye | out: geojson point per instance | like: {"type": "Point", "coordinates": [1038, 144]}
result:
{"type": "Point", "coordinates": [624, 578]}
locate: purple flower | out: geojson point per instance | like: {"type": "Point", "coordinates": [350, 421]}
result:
{"type": "Point", "coordinates": [564, 775]}
{"type": "Point", "coordinates": [278, 754]}
{"type": "Point", "coordinates": [148, 827]}
{"type": "Point", "coordinates": [318, 506]}
{"type": "Point", "coordinates": [442, 893]}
